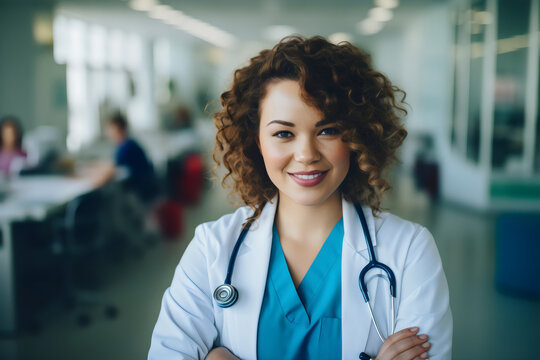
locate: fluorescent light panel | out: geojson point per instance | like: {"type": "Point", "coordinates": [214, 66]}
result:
{"type": "Point", "coordinates": [380, 14]}
{"type": "Point", "coordinates": [186, 23]}
{"type": "Point", "coordinates": [387, 4]}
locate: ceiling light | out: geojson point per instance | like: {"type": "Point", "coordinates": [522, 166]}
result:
{"type": "Point", "coordinates": [387, 4]}
{"type": "Point", "coordinates": [43, 29]}
{"type": "Point", "coordinates": [338, 37]}
{"type": "Point", "coordinates": [186, 23]}
{"type": "Point", "coordinates": [380, 14]}
{"type": "Point", "coordinates": [196, 25]}
{"type": "Point", "coordinates": [203, 30]}
{"type": "Point", "coordinates": [369, 26]}
{"type": "Point", "coordinates": [175, 17]}
{"type": "Point", "coordinates": [142, 5]}
{"type": "Point", "coordinates": [161, 12]}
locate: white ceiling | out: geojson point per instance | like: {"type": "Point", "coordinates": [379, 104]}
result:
{"type": "Point", "coordinates": [247, 19]}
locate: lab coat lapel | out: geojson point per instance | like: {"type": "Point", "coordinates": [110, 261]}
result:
{"type": "Point", "coordinates": [251, 273]}
{"type": "Point", "coordinates": [356, 320]}
{"type": "Point", "coordinates": [249, 278]}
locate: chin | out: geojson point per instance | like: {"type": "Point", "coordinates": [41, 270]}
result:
{"type": "Point", "coordinates": [307, 199]}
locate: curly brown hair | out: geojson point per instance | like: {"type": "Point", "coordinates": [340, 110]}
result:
{"type": "Point", "coordinates": [338, 80]}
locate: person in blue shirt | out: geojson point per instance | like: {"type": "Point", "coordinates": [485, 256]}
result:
{"type": "Point", "coordinates": [130, 158]}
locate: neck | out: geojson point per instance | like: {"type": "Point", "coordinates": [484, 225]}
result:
{"type": "Point", "coordinates": [306, 223]}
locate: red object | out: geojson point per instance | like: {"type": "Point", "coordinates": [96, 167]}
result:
{"type": "Point", "coordinates": [170, 217]}
{"type": "Point", "coordinates": [190, 180]}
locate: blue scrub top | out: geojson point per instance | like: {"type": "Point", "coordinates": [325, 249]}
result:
{"type": "Point", "coordinates": [305, 322]}
{"type": "Point", "coordinates": [141, 179]}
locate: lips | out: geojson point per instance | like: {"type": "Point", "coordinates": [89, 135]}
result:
{"type": "Point", "coordinates": [308, 178]}
{"type": "Point", "coordinates": [312, 172]}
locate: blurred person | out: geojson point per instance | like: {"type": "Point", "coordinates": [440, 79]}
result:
{"type": "Point", "coordinates": [177, 118]}
{"type": "Point", "coordinates": [426, 167]}
{"type": "Point", "coordinates": [131, 209]}
{"type": "Point", "coordinates": [130, 160]}
{"type": "Point", "coordinates": [307, 130]}
{"type": "Point", "coordinates": [12, 156]}
{"type": "Point", "coordinates": [182, 118]}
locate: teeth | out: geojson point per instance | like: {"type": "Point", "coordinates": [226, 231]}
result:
{"type": "Point", "coordinates": [308, 177]}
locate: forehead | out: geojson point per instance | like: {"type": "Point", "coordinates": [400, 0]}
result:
{"type": "Point", "coordinates": [283, 101]}
{"type": "Point", "coordinates": [113, 126]}
{"type": "Point", "coordinates": [8, 126]}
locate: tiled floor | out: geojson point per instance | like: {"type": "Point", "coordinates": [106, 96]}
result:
{"type": "Point", "coordinates": [487, 324]}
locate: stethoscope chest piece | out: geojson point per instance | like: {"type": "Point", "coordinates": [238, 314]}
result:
{"type": "Point", "coordinates": [225, 295]}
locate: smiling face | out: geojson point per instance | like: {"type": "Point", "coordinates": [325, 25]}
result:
{"type": "Point", "coordinates": [303, 153]}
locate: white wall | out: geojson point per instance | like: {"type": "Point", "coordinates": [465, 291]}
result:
{"type": "Point", "coordinates": [17, 62]}
{"type": "Point", "coordinates": [418, 59]}
{"type": "Point", "coordinates": [32, 85]}
{"type": "Point", "coordinates": [50, 91]}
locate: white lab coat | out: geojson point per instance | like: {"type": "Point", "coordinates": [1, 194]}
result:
{"type": "Point", "coordinates": [190, 323]}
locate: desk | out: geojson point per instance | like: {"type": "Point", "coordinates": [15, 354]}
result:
{"type": "Point", "coordinates": [28, 198]}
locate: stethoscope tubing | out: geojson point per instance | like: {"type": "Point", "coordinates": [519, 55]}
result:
{"type": "Point", "coordinates": [373, 263]}
{"type": "Point", "coordinates": [226, 295]}
{"type": "Point", "coordinates": [239, 242]}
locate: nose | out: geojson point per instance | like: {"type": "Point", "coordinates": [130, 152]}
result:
{"type": "Point", "coordinates": [307, 151]}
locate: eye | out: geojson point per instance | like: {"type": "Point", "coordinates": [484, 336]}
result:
{"type": "Point", "coordinates": [329, 131]}
{"type": "Point", "coordinates": [283, 134]}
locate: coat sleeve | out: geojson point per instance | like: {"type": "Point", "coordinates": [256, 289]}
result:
{"type": "Point", "coordinates": [185, 328]}
{"type": "Point", "coordinates": [424, 296]}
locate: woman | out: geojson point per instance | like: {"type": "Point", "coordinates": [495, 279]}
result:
{"type": "Point", "coordinates": [306, 132]}
{"type": "Point", "coordinates": [12, 156]}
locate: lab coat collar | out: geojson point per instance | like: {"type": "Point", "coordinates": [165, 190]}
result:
{"type": "Point", "coordinates": [354, 234]}
{"type": "Point", "coordinates": [355, 333]}
{"type": "Point", "coordinates": [250, 280]}
{"type": "Point", "coordinates": [254, 255]}
{"type": "Point", "coordinates": [261, 229]}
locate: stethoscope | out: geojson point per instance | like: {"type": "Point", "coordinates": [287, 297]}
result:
{"type": "Point", "coordinates": [226, 295]}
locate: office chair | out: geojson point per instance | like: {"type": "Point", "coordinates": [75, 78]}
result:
{"type": "Point", "coordinates": [84, 247]}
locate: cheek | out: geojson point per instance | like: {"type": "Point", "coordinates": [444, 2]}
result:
{"type": "Point", "coordinates": [8, 134]}
{"type": "Point", "coordinates": [340, 156]}
{"type": "Point", "coordinates": [275, 157]}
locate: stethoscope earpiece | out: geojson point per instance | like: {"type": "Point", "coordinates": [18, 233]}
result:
{"type": "Point", "coordinates": [225, 295]}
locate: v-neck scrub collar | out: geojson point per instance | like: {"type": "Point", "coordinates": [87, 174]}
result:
{"type": "Point", "coordinates": [295, 323]}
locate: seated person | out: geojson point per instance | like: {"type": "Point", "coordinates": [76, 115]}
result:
{"type": "Point", "coordinates": [12, 156]}
{"type": "Point", "coordinates": [130, 159]}
{"type": "Point", "coordinates": [129, 211]}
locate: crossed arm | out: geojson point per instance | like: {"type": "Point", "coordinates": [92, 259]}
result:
{"type": "Point", "coordinates": [406, 344]}
{"type": "Point", "coordinates": [187, 329]}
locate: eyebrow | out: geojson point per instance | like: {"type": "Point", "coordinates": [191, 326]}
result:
{"type": "Point", "coordinates": [290, 124]}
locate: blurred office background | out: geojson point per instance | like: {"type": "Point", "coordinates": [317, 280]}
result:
{"type": "Point", "coordinates": [84, 261]}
